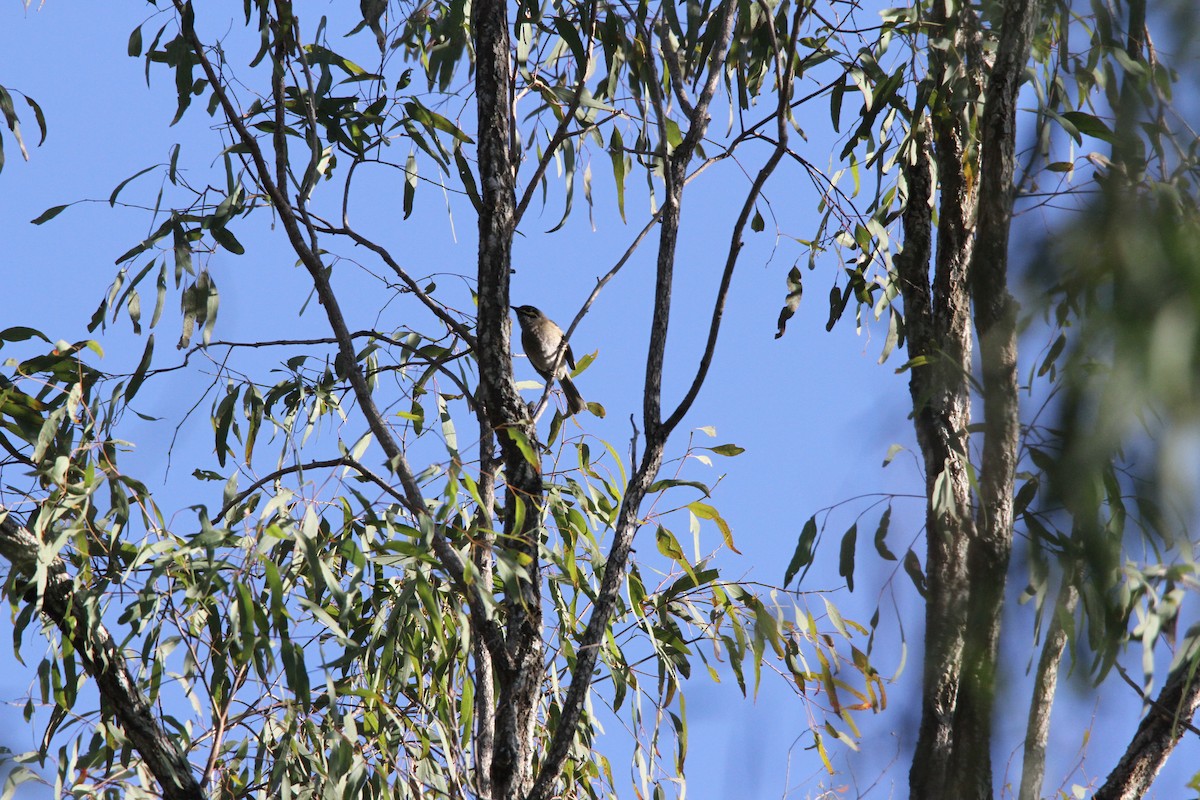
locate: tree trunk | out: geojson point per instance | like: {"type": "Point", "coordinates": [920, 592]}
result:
{"type": "Point", "coordinates": [520, 678]}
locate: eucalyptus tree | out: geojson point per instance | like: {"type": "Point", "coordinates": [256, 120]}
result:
{"type": "Point", "coordinates": [340, 628]}
{"type": "Point", "coordinates": [441, 630]}
{"type": "Point", "coordinates": [948, 163]}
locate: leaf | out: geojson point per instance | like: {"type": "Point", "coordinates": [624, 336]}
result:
{"type": "Point", "coordinates": [893, 335]}
{"type": "Point", "coordinates": [835, 104]}
{"type": "Point", "coordinates": [881, 534]}
{"type": "Point", "coordinates": [668, 545]}
{"type": "Point", "coordinates": [846, 557]}
{"type": "Point", "coordinates": [20, 333]}
{"type": "Point", "coordinates": [757, 224]}
{"type": "Point", "coordinates": [134, 48]}
{"type": "Point", "coordinates": [222, 421]}
{"type": "Point", "coordinates": [1025, 496]}
{"type": "Point", "coordinates": [227, 240]}
{"type": "Point", "coordinates": [410, 184]}
{"type": "Point", "coordinates": [467, 178]}
{"type": "Point", "coordinates": [912, 566]}
{"type": "Point", "coordinates": [1055, 350]}
{"type": "Point", "coordinates": [705, 511]}
{"type": "Point", "coordinates": [434, 121]}
{"type": "Point", "coordinates": [49, 214]}
{"type": "Point", "coordinates": [892, 452]}
{"type": "Point", "coordinates": [616, 151]}
{"type": "Point", "coordinates": [112, 198]}
{"type": "Point", "coordinates": [727, 450]}
{"type": "Point", "coordinates": [39, 117]}
{"type": "Point", "coordinates": [523, 444]}
{"type": "Point", "coordinates": [570, 34]}
{"type": "Point", "coordinates": [667, 483]}
{"type": "Point", "coordinates": [1089, 125]}
{"type": "Point", "coordinates": [791, 302]}
{"type": "Point", "coordinates": [802, 558]}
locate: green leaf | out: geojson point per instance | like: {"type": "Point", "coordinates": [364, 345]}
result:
{"type": "Point", "coordinates": [881, 534]}
{"type": "Point", "coordinates": [227, 240]}
{"type": "Point", "coordinates": [410, 184]}
{"type": "Point", "coordinates": [468, 179]}
{"type": "Point", "coordinates": [727, 450]}
{"type": "Point", "coordinates": [222, 421]}
{"type": "Point", "coordinates": [524, 445]}
{"type": "Point", "coordinates": [435, 121]}
{"type": "Point", "coordinates": [795, 287]}
{"type": "Point", "coordinates": [1089, 125]}
{"type": "Point", "coordinates": [112, 198]}
{"type": "Point", "coordinates": [912, 566]}
{"type": "Point", "coordinates": [49, 214]}
{"type": "Point", "coordinates": [668, 545]}
{"type": "Point", "coordinates": [21, 333]}
{"type": "Point", "coordinates": [134, 48]}
{"type": "Point", "coordinates": [570, 34]}
{"type": "Point", "coordinates": [616, 151]}
{"type": "Point", "coordinates": [705, 511]}
{"type": "Point", "coordinates": [667, 483]}
{"type": "Point", "coordinates": [38, 117]}
{"type": "Point", "coordinates": [846, 557]}
{"type": "Point", "coordinates": [802, 558]}
{"type": "Point", "coordinates": [836, 96]}
{"type": "Point", "coordinates": [139, 374]}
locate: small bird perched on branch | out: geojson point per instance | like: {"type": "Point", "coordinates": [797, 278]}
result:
{"type": "Point", "coordinates": [541, 339]}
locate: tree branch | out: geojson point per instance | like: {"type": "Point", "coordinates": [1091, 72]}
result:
{"type": "Point", "coordinates": [1037, 730]}
{"type": "Point", "coordinates": [1170, 714]}
{"type": "Point", "coordinates": [628, 517]}
{"type": "Point", "coordinates": [519, 685]}
{"type": "Point", "coordinates": [783, 69]}
{"type": "Point", "coordinates": [312, 262]}
{"type": "Point", "coordinates": [77, 617]}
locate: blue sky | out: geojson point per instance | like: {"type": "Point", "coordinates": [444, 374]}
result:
{"type": "Point", "coordinates": [814, 410]}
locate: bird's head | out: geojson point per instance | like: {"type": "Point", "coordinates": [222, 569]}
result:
{"type": "Point", "coordinates": [528, 313]}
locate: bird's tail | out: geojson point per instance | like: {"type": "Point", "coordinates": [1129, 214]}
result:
{"type": "Point", "coordinates": [575, 402]}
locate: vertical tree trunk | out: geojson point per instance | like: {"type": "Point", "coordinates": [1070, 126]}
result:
{"type": "Point", "coordinates": [520, 678]}
{"type": "Point", "coordinates": [996, 328]}
{"type": "Point", "coordinates": [968, 542]}
{"type": "Point", "coordinates": [941, 397]}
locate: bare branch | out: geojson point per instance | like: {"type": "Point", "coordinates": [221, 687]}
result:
{"type": "Point", "coordinates": [783, 70]}
{"type": "Point", "coordinates": [674, 69]}
{"type": "Point", "coordinates": [628, 517]}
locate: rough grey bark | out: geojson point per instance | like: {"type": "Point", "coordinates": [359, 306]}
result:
{"type": "Point", "coordinates": [968, 543]}
{"type": "Point", "coordinates": [938, 329]}
{"type": "Point", "coordinates": [519, 676]}
{"type": "Point", "coordinates": [77, 618]}
{"type": "Point", "coordinates": [1165, 722]}
{"type": "Point", "coordinates": [996, 329]}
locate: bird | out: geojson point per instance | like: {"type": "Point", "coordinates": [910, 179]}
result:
{"type": "Point", "coordinates": [541, 339]}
